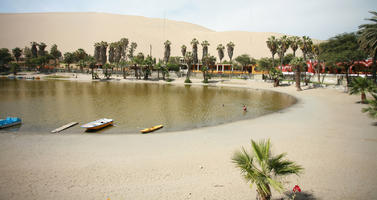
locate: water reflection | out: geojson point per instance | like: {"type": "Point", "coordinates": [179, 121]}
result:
{"type": "Point", "coordinates": [46, 105]}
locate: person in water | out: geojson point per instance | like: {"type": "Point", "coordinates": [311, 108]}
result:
{"type": "Point", "coordinates": [244, 108]}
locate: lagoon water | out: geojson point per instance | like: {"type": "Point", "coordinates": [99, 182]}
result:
{"type": "Point", "coordinates": [45, 105]}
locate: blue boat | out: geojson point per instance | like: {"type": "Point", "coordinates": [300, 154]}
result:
{"type": "Point", "coordinates": [9, 121]}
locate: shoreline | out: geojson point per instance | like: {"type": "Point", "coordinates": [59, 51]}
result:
{"type": "Point", "coordinates": [324, 131]}
{"type": "Point", "coordinates": [233, 83]}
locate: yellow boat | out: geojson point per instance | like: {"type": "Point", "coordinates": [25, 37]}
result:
{"type": "Point", "coordinates": [148, 130]}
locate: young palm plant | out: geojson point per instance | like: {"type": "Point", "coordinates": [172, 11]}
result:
{"type": "Point", "coordinates": [362, 85]}
{"type": "Point", "coordinates": [261, 168]}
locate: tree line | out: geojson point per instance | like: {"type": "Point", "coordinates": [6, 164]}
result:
{"type": "Point", "coordinates": [338, 53]}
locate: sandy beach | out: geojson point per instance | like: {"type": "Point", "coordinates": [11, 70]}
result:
{"type": "Point", "coordinates": [325, 132]}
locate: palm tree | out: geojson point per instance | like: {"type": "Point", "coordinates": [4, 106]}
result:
{"type": "Point", "coordinates": [117, 54]}
{"type": "Point", "coordinates": [69, 58]}
{"type": "Point", "coordinates": [131, 55]}
{"type": "Point", "coordinates": [80, 57]}
{"type": "Point", "coordinates": [132, 50]}
{"type": "Point", "coordinates": [372, 108]}
{"type": "Point", "coordinates": [316, 54]}
{"type": "Point", "coordinates": [276, 75]}
{"type": "Point", "coordinates": [306, 47]}
{"type": "Point", "coordinates": [294, 43]}
{"type": "Point", "coordinates": [41, 51]}
{"type": "Point", "coordinates": [112, 52]}
{"type": "Point", "coordinates": [261, 168]}
{"type": "Point", "coordinates": [17, 52]}
{"type": "Point", "coordinates": [167, 44]}
{"type": "Point", "coordinates": [123, 66]}
{"type": "Point", "coordinates": [148, 62]}
{"type": "Point", "coordinates": [34, 50]}
{"type": "Point", "coordinates": [91, 62]}
{"type": "Point", "coordinates": [124, 45]}
{"type": "Point", "coordinates": [230, 49]}
{"type": "Point", "coordinates": [297, 63]}
{"type": "Point", "coordinates": [103, 50]}
{"type": "Point", "coordinates": [272, 44]}
{"type": "Point", "coordinates": [189, 59]}
{"type": "Point", "coordinates": [220, 51]}
{"type": "Point", "coordinates": [107, 66]}
{"type": "Point", "coordinates": [368, 40]}
{"type": "Point", "coordinates": [361, 85]}
{"type": "Point", "coordinates": [80, 54]}
{"type": "Point", "coordinates": [205, 45]}
{"type": "Point", "coordinates": [138, 61]}
{"type": "Point", "coordinates": [194, 44]}
{"type": "Point", "coordinates": [183, 50]}
{"type": "Point", "coordinates": [283, 45]}
{"type": "Point", "coordinates": [55, 53]}
{"type": "Point", "coordinates": [97, 52]}
{"type": "Point", "coordinates": [208, 61]}
{"type": "Point", "coordinates": [103, 57]}
{"type": "Point", "coordinates": [112, 48]}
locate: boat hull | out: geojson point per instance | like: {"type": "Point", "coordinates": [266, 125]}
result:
{"type": "Point", "coordinates": [100, 126]}
{"type": "Point", "coordinates": [10, 124]}
{"type": "Point", "coordinates": [148, 130]}
{"type": "Point", "coordinates": [10, 121]}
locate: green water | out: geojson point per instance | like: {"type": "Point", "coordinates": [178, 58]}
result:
{"type": "Point", "coordinates": [47, 104]}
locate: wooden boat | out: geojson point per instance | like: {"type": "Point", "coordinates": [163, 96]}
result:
{"type": "Point", "coordinates": [64, 127]}
{"type": "Point", "coordinates": [154, 128]}
{"type": "Point", "coordinates": [98, 124]}
{"type": "Point", "coordinates": [9, 121]}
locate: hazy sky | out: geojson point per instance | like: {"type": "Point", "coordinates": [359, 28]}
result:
{"type": "Point", "coordinates": [318, 19]}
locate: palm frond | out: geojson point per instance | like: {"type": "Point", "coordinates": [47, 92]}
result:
{"type": "Point", "coordinates": [368, 35]}
{"type": "Point", "coordinates": [283, 167]}
{"type": "Point", "coordinates": [359, 85]}
{"type": "Point", "coordinates": [257, 149]}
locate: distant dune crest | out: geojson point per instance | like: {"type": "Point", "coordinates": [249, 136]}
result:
{"type": "Point", "coordinates": [71, 31]}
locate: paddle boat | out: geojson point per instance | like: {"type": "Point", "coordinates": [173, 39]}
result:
{"type": "Point", "coordinates": [154, 128]}
{"type": "Point", "coordinates": [98, 124]}
{"type": "Point", "coordinates": [9, 121]}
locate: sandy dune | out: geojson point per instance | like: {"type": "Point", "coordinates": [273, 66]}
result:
{"type": "Point", "coordinates": [325, 132]}
{"type": "Point", "coordinates": [71, 31]}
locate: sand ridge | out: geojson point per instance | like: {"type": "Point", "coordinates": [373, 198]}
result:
{"type": "Point", "coordinates": [71, 31]}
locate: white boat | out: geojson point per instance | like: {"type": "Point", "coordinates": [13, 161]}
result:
{"type": "Point", "coordinates": [98, 124]}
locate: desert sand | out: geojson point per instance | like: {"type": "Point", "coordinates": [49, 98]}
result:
{"type": "Point", "coordinates": [325, 132]}
{"type": "Point", "coordinates": [71, 31]}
